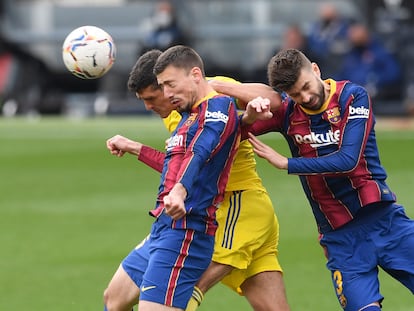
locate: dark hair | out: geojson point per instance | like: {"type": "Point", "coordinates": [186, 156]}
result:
{"type": "Point", "coordinates": [284, 68]}
{"type": "Point", "coordinates": [179, 56]}
{"type": "Point", "coordinates": [142, 74]}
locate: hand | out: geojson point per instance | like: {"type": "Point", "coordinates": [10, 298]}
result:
{"type": "Point", "coordinates": [257, 109]}
{"type": "Point", "coordinates": [266, 152]}
{"type": "Point", "coordinates": [118, 145]}
{"type": "Point", "coordinates": [174, 202]}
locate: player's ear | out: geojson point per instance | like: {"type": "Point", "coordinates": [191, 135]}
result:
{"type": "Point", "coordinates": [196, 74]}
{"type": "Point", "coordinates": [316, 70]}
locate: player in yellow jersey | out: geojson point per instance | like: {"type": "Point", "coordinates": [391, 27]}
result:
{"type": "Point", "coordinates": [246, 243]}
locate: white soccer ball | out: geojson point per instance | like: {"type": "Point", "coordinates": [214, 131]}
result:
{"type": "Point", "coordinates": [88, 52]}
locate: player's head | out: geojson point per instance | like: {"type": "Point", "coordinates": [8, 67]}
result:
{"type": "Point", "coordinates": [179, 71]}
{"type": "Point", "coordinates": [292, 72]}
{"type": "Point", "coordinates": [144, 84]}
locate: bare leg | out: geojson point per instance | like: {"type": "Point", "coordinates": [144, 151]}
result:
{"type": "Point", "coordinates": [266, 291]}
{"type": "Point", "coordinates": [214, 273]}
{"type": "Point", "coordinates": [122, 293]}
{"type": "Point", "coordinates": [153, 306]}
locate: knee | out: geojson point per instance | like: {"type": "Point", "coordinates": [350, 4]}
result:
{"type": "Point", "coordinates": [109, 303]}
{"type": "Point", "coordinates": [106, 299]}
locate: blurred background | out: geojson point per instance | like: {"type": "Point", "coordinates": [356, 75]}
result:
{"type": "Point", "coordinates": [69, 211]}
{"type": "Point", "coordinates": [368, 41]}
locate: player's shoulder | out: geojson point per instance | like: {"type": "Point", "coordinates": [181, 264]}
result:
{"type": "Point", "coordinates": [221, 99]}
{"type": "Point", "coordinates": [349, 88]}
{"type": "Point", "coordinates": [223, 78]}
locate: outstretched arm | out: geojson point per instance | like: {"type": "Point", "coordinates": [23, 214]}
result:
{"type": "Point", "coordinates": [257, 109]}
{"type": "Point", "coordinates": [119, 145]}
{"type": "Point", "coordinates": [246, 92]}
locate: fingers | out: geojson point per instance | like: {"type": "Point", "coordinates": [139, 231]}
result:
{"type": "Point", "coordinates": [112, 145]}
{"type": "Point", "coordinates": [260, 103]}
{"type": "Point", "coordinates": [175, 211]}
{"type": "Point", "coordinates": [254, 140]}
{"type": "Point", "coordinates": [175, 214]}
{"type": "Point", "coordinates": [261, 106]}
{"type": "Point", "coordinates": [259, 147]}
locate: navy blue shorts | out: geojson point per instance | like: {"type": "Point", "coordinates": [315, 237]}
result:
{"type": "Point", "coordinates": [167, 264]}
{"type": "Point", "coordinates": [381, 238]}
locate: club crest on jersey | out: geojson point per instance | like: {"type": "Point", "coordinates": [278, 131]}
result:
{"type": "Point", "coordinates": [191, 118]}
{"type": "Point", "coordinates": [334, 116]}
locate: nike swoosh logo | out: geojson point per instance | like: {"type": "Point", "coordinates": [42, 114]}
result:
{"type": "Point", "coordinates": [145, 288]}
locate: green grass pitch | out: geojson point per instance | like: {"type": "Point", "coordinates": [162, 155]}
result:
{"type": "Point", "coordinates": [69, 212]}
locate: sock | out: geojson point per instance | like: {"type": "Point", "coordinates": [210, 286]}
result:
{"type": "Point", "coordinates": [195, 300]}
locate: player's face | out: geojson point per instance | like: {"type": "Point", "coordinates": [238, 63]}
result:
{"type": "Point", "coordinates": [179, 87]}
{"type": "Point", "coordinates": [309, 90]}
{"type": "Point", "coordinates": [154, 100]}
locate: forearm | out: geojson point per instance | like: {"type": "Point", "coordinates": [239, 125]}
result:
{"type": "Point", "coordinates": [152, 157]}
{"type": "Point", "coordinates": [246, 92]}
{"type": "Point", "coordinates": [133, 148]}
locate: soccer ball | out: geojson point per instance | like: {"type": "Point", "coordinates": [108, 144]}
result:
{"type": "Point", "coordinates": [88, 52]}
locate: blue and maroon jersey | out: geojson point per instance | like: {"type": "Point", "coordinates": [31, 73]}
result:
{"type": "Point", "coordinates": [334, 153]}
{"type": "Point", "coordinates": [199, 155]}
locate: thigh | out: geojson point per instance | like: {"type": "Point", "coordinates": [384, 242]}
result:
{"type": "Point", "coordinates": [250, 247]}
{"type": "Point", "coordinates": [394, 237]}
{"type": "Point", "coordinates": [135, 264]}
{"type": "Point", "coordinates": [246, 221]}
{"type": "Point", "coordinates": [122, 293]}
{"type": "Point", "coordinates": [353, 263]}
{"type": "Point", "coordinates": [177, 260]}
{"type": "Point", "coordinates": [152, 306]}
{"type": "Point", "coordinates": [123, 290]}
{"type": "Point", "coordinates": [265, 291]}
{"type": "Point", "coordinates": [214, 274]}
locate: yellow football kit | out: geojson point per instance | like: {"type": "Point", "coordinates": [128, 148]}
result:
{"type": "Point", "coordinates": [248, 230]}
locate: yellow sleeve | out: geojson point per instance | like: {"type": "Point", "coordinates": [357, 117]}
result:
{"type": "Point", "coordinates": [222, 78]}
{"type": "Point", "coordinates": [226, 79]}
{"type": "Point", "coordinates": [172, 121]}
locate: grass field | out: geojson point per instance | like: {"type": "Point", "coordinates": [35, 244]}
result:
{"type": "Point", "coordinates": [69, 213]}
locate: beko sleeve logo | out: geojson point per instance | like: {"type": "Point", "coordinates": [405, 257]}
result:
{"type": "Point", "coordinates": [215, 116]}
{"type": "Point", "coordinates": [358, 112]}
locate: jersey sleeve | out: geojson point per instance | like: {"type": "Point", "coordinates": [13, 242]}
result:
{"type": "Point", "coordinates": [152, 157]}
{"type": "Point", "coordinates": [358, 123]}
{"type": "Point", "coordinates": [259, 127]}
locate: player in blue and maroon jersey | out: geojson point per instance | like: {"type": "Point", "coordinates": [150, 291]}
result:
{"type": "Point", "coordinates": [329, 126]}
{"type": "Point", "coordinates": [245, 260]}
{"type": "Point", "coordinates": [163, 270]}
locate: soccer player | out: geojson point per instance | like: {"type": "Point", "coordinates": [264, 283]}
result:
{"type": "Point", "coordinates": [167, 265]}
{"type": "Point", "coordinates": [247, 263]}
{"type": "Point", "coordinates": [329, 126]}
